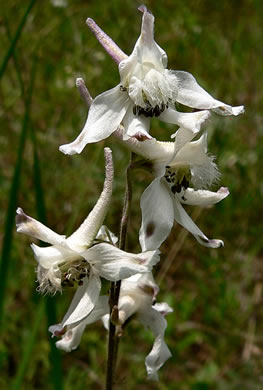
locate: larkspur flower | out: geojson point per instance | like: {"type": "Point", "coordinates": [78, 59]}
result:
{"type": "Point", "coordinates": [146, 89]}
{"type": "Point", "coordinates": [161, 202]}
{"type": "Point", "coordinates": [138, 298]}
{"type": "Point", "coordinates": [79, 258]}
{"type": "Point", "coordinates": [183, 171]}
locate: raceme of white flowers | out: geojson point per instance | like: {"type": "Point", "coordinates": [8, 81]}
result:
{"type": "Point", "coordinates": [147, 89]}
{"type": "Point", "coordinates": [183, 171]}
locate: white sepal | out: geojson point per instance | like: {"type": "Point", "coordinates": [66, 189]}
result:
{"type": "Point", "coordinates": [157, 215]}
{"type": "Point", "coordinates": [114, 264]}
{"type": "Point", "coordinates": [106, 113]}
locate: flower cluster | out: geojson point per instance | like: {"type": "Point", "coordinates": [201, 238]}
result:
{"type": "Point", "coordinates": [182, 170]}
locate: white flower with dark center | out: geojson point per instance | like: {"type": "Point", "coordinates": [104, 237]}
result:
{"type": "Point", "coordinates": [161, 202]}
{"type": "Point", "coordinates": [147, 89]}
{"type": "Point", "coordinates": [79, 259]}
{"type": "Point", "coordinates": [138, 298]}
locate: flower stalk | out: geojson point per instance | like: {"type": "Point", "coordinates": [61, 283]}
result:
{"type": "Point", "coordinates": [113, 342]}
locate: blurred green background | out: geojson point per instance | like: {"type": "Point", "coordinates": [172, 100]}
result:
{"type": "Point", "coordinates": [215, 332]}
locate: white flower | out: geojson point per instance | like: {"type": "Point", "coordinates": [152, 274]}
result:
{"type": "Point", "coordinates": [76, 259]}
{"type": "Point", "coordinates": [161, 202]}
{"type": "Point", "coordinates": [147, 88]}
{"type": "Point", "coordinates": [137, 297]}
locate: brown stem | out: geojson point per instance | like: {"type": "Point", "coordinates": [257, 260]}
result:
{"type": "Point", "coordinates": [115, 287]}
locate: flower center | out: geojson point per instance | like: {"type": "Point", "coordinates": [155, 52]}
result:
{"type": "Point", "coordinates": [149, 110]}
{"type": "Point", "coordinates": [75, 273]}
{"type": "Point", "coordinates": [178, 177]}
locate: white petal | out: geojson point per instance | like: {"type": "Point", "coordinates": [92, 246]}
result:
{"type": "Point", "coordinates": [193, 153]}
{"type": "Point", "coordinates": [188, 120]}
{"type": "Point", "coordinates": [136, 295]}
{"type": "Point", "coordinates": [183, 219]}
{"type": "Point", "coordinates": [163, 308]}
{"type": "Point", "coordinates": [47, 256]}
{"type": "Point", "coordinates": [182, 136]}
{"type": "Point", "coordinates": [203, 197]}
{"type": "Point", "coordinates": [106, 113]}
{"type": "Point", "coordinates": [83, 301]}
{"type": "Point", "coordinates": [114, 264]}
{"type": "Point", "coordinates": [157, 357]}
{"type": "Point", "coordinates": [157, 215]}
{"type": "Point", "coordinates": [136, 281]}
{"type": "Point", "coordinates": [192, 95]}
{"type": "Point", "coordinates": [103, 235]}
{"type": "Point", "coordinates": [154, 320]}
{"type": "Point", "coordinates": [32, 227]}
{"type": "Point", "coordinates": [146, 51]}
{"type": "Point", "coordinates": [71, 339]}
{"type": "Point", "coordinates": [203, 168]}
{"type": "Point", "coordinates": [136, 126]}
{"type": "Point", "coordinates": [86, 233]}
{"type": "Point", "coordinates": [153, 150]}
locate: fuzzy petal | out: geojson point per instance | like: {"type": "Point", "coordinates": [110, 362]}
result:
{"type": "Point", "coordinates": [203, 197]}
{"type": "Point", "coordinates": [114, 264]}
{"type": "Point", "coordinates": [181, 217]}
{"type": "Point", "coordinates": [86, 233]}
{"type": "Point", "coordinates": [188, 120]}
{"type": "Point", "coordinates": [83, 301]}
{"type": "Point", "coordinates": [192, 95]}
{"type": "Point", "coordinates": [157, 215]}
{"type": "Point", "coordinates": [36, 229]}
{"type": "Point", "coordinates": [106, 113]}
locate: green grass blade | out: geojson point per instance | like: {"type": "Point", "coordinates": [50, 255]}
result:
{"type": "Point", "coordinates": [16, 38]}
{"type": "Point", "coordinates": [55, 356]}
{"type": "Point", "coordinates": [29, 345]}
{"type": "Point", "coordinates": [11, 210]}
{"type": "Point", "coordinates": [16, 62]}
